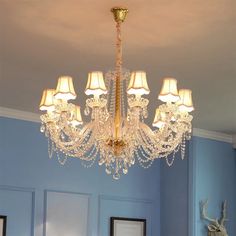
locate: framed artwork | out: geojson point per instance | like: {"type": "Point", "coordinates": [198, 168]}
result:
{"type": "Point", "coordinates": [127, 227]}
{"type": "Point", "coordinates": [3, 225]}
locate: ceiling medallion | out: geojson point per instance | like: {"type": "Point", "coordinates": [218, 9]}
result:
{"type": "Point", "coordinates": [116, 134]}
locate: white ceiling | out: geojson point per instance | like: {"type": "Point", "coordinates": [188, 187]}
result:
{"type": "Point", "coordinates": [194, 41]}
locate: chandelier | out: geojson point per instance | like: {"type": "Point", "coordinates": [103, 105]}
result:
{"type": "Point", "coordinates": [116, 134]}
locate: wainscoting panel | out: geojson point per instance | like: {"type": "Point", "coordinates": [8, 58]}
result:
{"type": "Point", "coordinates": [18, 205]}
{"type": "Point", "coordinates": [66, 214]}
{"type": "Point", "coordinates": [123, 207]}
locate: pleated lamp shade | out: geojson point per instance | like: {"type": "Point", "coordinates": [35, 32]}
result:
{"type": "Point", "coordinates": [95, 84]}
{"type": "Point", "coordinates": [185, 103]}
{"type": "Point", "coordinates": [47, 101]}
{"type": "Point", "coordinates": [65, 88]}
{"type": "Point", "coordinates": [76, 118]}
{"type": "Point", "coordinates": [138, 84]}
{"type": "Point", "coordinates": [169, 91]}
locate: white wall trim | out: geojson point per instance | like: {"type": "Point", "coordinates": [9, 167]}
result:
{"type": "Point", "coordinates": [34, 117]}
{"type": "Point", "coordinates": [213, 135]}
{"type": "Point", "coordinates": [234, 141]}
{"type": "Point", "coordinates": [19, 115]}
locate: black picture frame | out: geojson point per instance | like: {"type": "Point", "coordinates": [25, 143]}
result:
{"type": "Point", "coordinates": [113, 221]}
{"type": "Point", "coordinates": [3, 222]}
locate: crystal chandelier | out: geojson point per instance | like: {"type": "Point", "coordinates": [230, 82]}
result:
{"type": "Point", "coordinates": [116, 134]}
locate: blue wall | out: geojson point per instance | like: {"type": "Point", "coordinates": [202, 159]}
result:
{"type": "Point", "coordinates": [174, 197]}
{"type": "Point", "coordinates": [214, 176]}
{"type": "Point", "coordinates": [26, 172]}
{"type": "Point", "coordinates": [208, 172]}
{"type": "Point", "coordinates": [167, 197]}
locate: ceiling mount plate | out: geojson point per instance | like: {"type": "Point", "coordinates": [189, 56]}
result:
{"type": "Point", "coordinates": [119, 13]}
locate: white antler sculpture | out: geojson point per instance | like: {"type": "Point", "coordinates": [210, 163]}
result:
{"type": "Point", "coordinates": [216, 225]}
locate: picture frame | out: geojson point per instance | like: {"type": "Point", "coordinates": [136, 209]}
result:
{"type": "Point", "coordinates": [120, 226]}
{"type": "Point", "coordinates": [3, 225]}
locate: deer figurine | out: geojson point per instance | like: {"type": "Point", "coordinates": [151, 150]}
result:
{"type": "Point", "coordinates": [216, 226]}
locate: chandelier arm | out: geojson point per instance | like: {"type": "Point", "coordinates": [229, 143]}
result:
{"type": "Point", "coordinates": [80, 154]}
{"type": "Point", "coordinates": [88, 157]}
{"type": "Point", "coordinates": [76, 154]}
{"type": "Point", "coordinates": [146, 164]}
{"type": "Point", "coordinates": [91, 155]}
{"type": "Point", "coordinates": [148, 136]}
{"type": "Point", "coordinates": [70, 147]}
{"type": "Point", "coordinates": [91, 161]}
{"type": "Point", "coordinates": [148, 147]}
{"type": "Point", "coordinates": [72, 151]}
{"type": "Point", "coordinates": [76, 137]}
{"type": "Point", "coordinates": [170, 146]}
{"type": "Point", "coordinates": [79, 150]}
{"type": "Point", "coordinates": [157, 148]}
{"type": "Point", "coordinates": [144, 157]}
{"type": "Point", "coordinates": [87, 141]}
{"type": "Point", "coordinates": [173, 131]}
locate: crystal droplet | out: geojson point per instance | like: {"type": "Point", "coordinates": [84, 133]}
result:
{"type": "Point", "coordinates": [86, 111]}
{"type": "Point", "coordinates": [63, 137]}
{"type": "Point", "coordinates": [42, 128]}
{"type": "Point", "coordinates": [116, 176]}
{"type": "Point", "coordinates": [145, 113]}
{"type": "Point", "coordinates": [188, 136]}
{"type": "Point", "coordinates": [132, 161]}
{"type": "Point", "coordinates": [46, 133]}
{"type": "Point", "coordinates": [125, 171]}
{"type": "Point", "coordinates": [100, 162]}
{"type": "Point", "coordinates": [108, 170]}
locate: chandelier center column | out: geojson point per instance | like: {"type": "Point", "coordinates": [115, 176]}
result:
{"type": "Point", "coordinates": [118, 79]}
{"type": "Point", "coordinates": [119, 16]}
